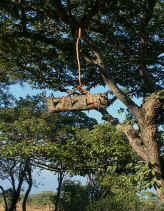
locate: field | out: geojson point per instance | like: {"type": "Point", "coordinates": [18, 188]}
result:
{"type": "Point", "coordinates": [29, 208]}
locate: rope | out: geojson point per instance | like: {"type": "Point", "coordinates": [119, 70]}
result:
{"type": "Point", "coordinates": [91, 102]}
{"type": "Point", "coordinates": [77, 56]}
{"type": "Point", "coordinates": [62, 104]}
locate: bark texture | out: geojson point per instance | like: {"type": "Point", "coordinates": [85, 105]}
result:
{"type": "Point", "coordinates": [144, 140]}
{"type": "Point", "coordinates": [77, 103]}
{"type": "Point", "coordinates": [4, 198]}
{"type": "Point", "coordinates": [29, 181]}
{"type": "Point", "coordinates": [60, 181]}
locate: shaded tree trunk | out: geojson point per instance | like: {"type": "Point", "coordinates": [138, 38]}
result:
{"type": "Point", "coordinates": [29, 181]}
{"type": "Point", "coordinates": [151, 109]}
{"type": "Point", "coordinates": [14, 201]}
{"type": "Point", "coordinates": [16, 191]}
{"type": "Point", "coordinates": [4, 198]}
{"type": "Point", "coordinates": [57, 199]}
{"type": "Point", "coordinates": [144, 140]}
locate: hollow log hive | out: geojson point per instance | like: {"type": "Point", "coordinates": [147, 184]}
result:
{"type": "Point", "coordinates": [77, 102]}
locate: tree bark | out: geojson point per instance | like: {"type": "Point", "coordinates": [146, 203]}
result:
{"type": "Point", "coordinates": [144, 139]}
{"type": "Point", "coordinates": [78, 102]}
{"type": "Point", "coordinates": [60, 180]}
{"type": "Point", "coordinates": [4, 198]}
{"type": "Point", "coordinates": [29, 181]}
{"type": "Point", "coordinates": [16, 193]}
{"type": "Point", "coordinates": [14, 201]}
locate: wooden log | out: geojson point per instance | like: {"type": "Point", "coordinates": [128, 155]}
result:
{"type": "Point", "coordinates": [77, 103]}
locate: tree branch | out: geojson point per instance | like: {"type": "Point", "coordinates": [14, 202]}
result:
{"type": "Point", "coordinates": [132, 134]}
{"type": "Point", "coordinates": [108, 80]}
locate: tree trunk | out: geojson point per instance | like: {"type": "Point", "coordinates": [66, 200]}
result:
{"type": "Point", "coordinates": [60, 180]}
{"type": "Point", "coordinates": [14, 201]}
{"type": "Point", "coordinates": [151, 108]}
{"type": "Point", "coordinates": [4, 198]}
{"type": "Point", "coordinates": [16, 193]}
{"type": "Point", "coordinates": [29, 181]}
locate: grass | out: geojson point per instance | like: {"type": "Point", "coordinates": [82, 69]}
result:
{"type": "Point", "coordinates": [29, 208]}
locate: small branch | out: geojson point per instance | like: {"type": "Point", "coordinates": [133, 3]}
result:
{"type": "Point", "coordinates": [29, 182]}
{"type": "Point", "coordinates": [148, 80]}
{"type": "Point", "coordinates": [111, 101]}
{"type": "Point", "coordinates": [109, 118]}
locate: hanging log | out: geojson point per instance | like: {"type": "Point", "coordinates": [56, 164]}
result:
{"type": "Point", "coordinates": [77, 103]}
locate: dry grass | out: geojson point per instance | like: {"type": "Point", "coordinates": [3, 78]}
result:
{"type": "Point", "coordinates": [29, 208]}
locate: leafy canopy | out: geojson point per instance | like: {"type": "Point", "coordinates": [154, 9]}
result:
{"type": "Point", "coordinates": [38, 42]}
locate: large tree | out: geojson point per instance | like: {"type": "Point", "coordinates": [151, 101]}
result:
{"type": "Point", "coordinates": [121, 46]}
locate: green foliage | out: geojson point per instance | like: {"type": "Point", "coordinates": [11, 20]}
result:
{"type": "Point", "coordinates": [74, 196]}
{"type": "Point", "coordinates": [38, 42]}
{"type": "Point", "coordinates": [116, 203]}
{"type": "Point", "coordinates": [30, 130]}
{"type": "Point", "coordinates": [101, 149]}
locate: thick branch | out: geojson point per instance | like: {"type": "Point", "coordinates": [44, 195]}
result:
{"type": "Point", "coordinates": [132, 134]}
{"type": "Point", "coordinates": [111, 84]}
{"type": "Point", "coordinates": [134, 140]}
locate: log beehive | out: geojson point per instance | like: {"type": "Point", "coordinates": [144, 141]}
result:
{"type": "Point", "coordinates": [77, 102]}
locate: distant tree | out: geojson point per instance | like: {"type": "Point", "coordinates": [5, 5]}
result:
{"type": "Point", "coordinates": [73, 196]}
{"type": "Point", "coordinates": [13, 170]}
{"type": "Point", "coordinates": [4, 197]}
{"type": "Point", "coordinates": [60, 178]}
{"type": "Point", "coordinates": [29, 181]}
{"type": "Point", "coordinates": [150, 201]}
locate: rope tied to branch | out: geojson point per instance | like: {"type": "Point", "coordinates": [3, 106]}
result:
{"type": "Point", "coordinates": [77, 55]}
{"type": "Point", "coordinates": [80, 86]}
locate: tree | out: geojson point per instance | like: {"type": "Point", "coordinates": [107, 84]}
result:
{"type": "Point", "coordinates": [30, 138]}
{"type": "Point", "coordinates": [121, 43]}
{"type": "Point", "coordinates": [60, 176]}
{"type": "Point", "coordinates": [4, 198]}
{"type": "Point", "coordinates": [29, 181]}
{"type": "Point", "coordinates": [114, 178]}
{"type": "Point", "coordinates": [114, 171]}
{"type": "Point", "coordinates": [14, 170]}
{"type": "Point", "coordinates": [74, 196]}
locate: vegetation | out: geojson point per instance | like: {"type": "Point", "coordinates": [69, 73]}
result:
{"type": "Point", "coordinates": [77, 197]}
{"type": "Point", "coordinates": [121, 47]}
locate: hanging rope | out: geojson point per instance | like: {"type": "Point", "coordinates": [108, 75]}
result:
{"type": "Point", "coordinates": [77, 56]}
{"type": "Point", "coordinates": [80, 86]}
